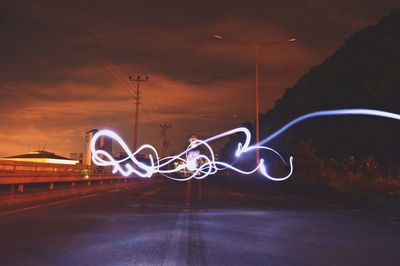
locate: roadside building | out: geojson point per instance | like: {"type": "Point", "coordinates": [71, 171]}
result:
{"type": "Point", "coordinates": [38, 161]}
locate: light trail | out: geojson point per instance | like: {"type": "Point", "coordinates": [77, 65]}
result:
{"type": "Point", "coordinates": [340, 112]}
{"type": "Point", "coordinates": [131, 165]}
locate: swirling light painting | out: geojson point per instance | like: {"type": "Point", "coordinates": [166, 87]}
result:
{"type": "Point", "coordinates": [187, 159]}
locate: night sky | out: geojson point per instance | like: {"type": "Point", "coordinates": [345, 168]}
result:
{"type": "Point", "coordinates": [64, 65]}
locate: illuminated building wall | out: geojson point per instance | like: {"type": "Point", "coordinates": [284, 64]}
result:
{"type": "Point", "coordinates": [88, 137]}
{"type": "Point", "coordinates": [104, 143]}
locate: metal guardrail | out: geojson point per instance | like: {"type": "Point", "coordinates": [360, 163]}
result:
{"type": "Point", "coordinates": [18, 173]}
{"type": "Point", "coordinates": [31, 178]}
{"type": "Point", "coordinates": [7, 166]}
{"type": "Point", "coordinates": [24, 181]}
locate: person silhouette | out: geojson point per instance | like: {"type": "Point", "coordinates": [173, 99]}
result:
{"type": "Point", "coordinates": [192, 164]}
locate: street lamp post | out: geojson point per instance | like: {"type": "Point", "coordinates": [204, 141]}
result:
{"type": "Point", "coordinates": [256, 47]}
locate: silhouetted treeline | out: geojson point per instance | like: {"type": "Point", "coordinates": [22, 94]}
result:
{"type": "Point", "coordinates": [363, 73]}
{"type": "Point", "coordinates": [351, 175]}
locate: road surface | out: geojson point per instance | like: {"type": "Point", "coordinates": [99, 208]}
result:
{"type": "Point", "coordinates": [224, 224]}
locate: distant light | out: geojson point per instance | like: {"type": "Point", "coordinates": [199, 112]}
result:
{"type": "Point", "coordinates": [86, 176]}
{"type": "Point", "coordinates": [217, 36]}
{"type": "Point", "coordinates": [292, 40]}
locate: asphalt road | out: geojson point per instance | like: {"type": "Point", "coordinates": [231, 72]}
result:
{"type": "Point", "coordinates": [225, 224]}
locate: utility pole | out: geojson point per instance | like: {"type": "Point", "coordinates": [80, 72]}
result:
{"type": "Point", "coordinates": [257, 107]}
{"type": "Point", "coordinates": [165, 144]}
{"type": "Point", "coordinates": [138, 79]}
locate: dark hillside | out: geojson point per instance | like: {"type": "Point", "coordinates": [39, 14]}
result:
{"type": "Point", "coordinates": [363, 73]}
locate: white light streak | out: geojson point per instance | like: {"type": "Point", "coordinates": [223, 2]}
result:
{"type": "Point", "coordinates": [131, 165]}
{"type": "Point", "coordinates": [156, 165]}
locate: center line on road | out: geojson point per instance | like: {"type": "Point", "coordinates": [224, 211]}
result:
{"type": "Point", "coordinates": [177, 245]}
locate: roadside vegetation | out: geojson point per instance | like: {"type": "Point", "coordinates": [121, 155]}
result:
{"type": "Point", "coordinates": [350, 175]}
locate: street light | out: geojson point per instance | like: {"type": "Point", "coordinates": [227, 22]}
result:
{"type": "Point", "coordinates": [255, 46]}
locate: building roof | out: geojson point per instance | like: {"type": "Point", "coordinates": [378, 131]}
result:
{"type": "Point", "coordinates": [41, 157]}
